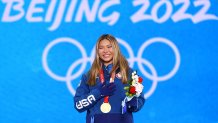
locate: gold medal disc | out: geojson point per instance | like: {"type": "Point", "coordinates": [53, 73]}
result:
{"type": "Point", "coordinates": [105, 107]}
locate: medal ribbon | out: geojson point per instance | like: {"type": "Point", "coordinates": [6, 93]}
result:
{"type": "Point", "coordinates": [102, 81]}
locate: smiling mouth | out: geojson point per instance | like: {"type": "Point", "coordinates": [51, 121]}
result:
{"type": "Point", "coordinates": [107, 55]}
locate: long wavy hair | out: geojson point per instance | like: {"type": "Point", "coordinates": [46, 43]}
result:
{"type": "Point", "coordinates": [119, 61]}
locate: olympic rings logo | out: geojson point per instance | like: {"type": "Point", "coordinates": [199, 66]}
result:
{"type": "Point", "coordinates": [132, 59]}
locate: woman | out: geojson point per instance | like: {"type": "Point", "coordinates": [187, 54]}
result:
{"type": "Point", "coordinates": [101, 90]}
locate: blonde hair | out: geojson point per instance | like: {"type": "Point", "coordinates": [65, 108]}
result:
{"type": "Point", "coordinates": [119, 61]}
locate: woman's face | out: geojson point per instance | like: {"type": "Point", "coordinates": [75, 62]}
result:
{"type": "Point", "coordinates": [105, 51]}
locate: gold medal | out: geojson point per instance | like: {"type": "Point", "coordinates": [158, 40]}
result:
{"type": "Point", "coordinates": [105, 107]}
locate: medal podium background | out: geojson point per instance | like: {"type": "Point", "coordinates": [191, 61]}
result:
{"type": "Point", "coordinates": [33, 93]}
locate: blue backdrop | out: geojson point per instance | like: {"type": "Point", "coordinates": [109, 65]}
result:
{"type": "Point", "coordinates": [47, 44]}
